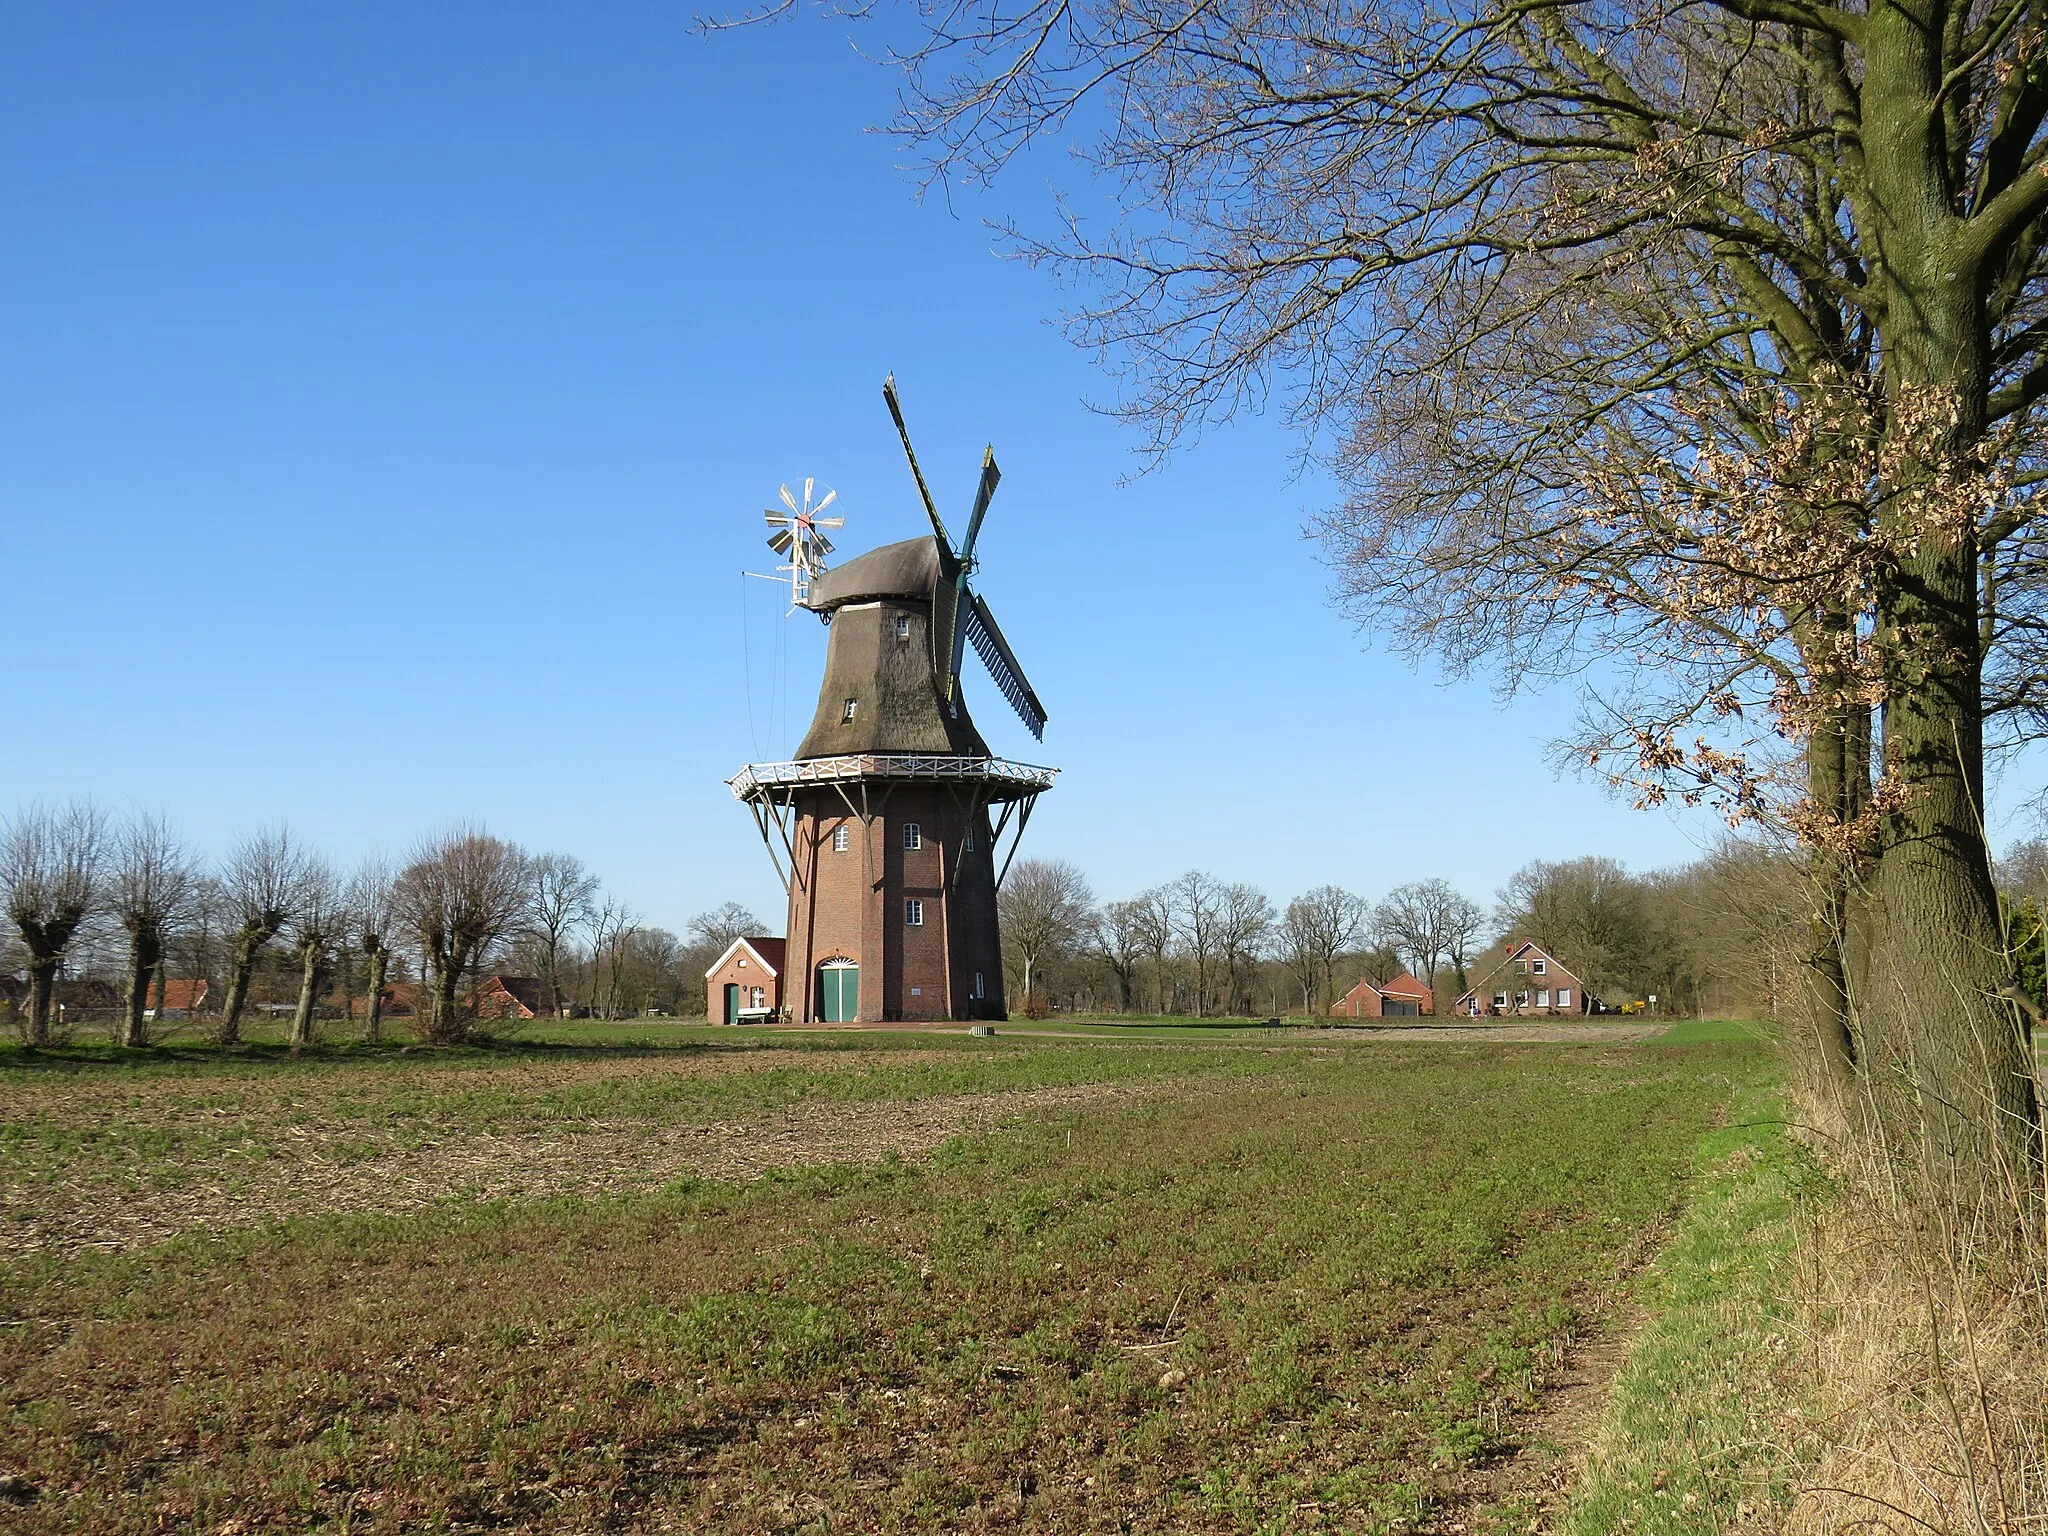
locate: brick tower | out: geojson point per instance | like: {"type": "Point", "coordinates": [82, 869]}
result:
{"type": "Point", "coordinates": [887, 825]}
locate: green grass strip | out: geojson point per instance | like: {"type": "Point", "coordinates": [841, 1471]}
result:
{"type": "Point", "coordinates": [1686, 1446]}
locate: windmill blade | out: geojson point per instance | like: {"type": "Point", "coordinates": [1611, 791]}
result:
{"type": "Point", "coordinates": [830, 497]}
{"type": "Point", "coordinates": [776, 518]}
{"type": "Point", "coordinates": [946, 638]}
{"type": "Point", "coordinates": [821, 544]}
{"type": "Point", "coordinates": [788, 500]}
{"type": "Point", "coordinates": [829, 522]}
{"type": "Point", "coordinates": [780, 542]}
{"type": "Point", "coordinates": [931, 508]}
{"type": "Point", "coordinates": [990, 475]}
{"type": "Point", "coordinates": [810, 484]}
{"type": "Point", "coordinates": [1001, 661]}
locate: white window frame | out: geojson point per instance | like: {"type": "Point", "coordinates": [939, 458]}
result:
{"type": "Point", "coordinates": [902, 626]}
{"type": "Point", "coordinates": [1500, 999]}
{"type": "Point", "coordinates": [847, 712]}
{"type": "Point", "coordinates": [1535, 967]}
{"type": "Point", "coordinates": [913, 911]}
{"type": "Point", "coordinates": [978, 984]}
{"type": "Point", "coordinates": [1543, 997]}
{"type": "Point", "coordinates": [1564, 997]}
{"type": "Point", "coordinates": [842, 838]}
{"type": "Point", "coordinates": [913, 836]}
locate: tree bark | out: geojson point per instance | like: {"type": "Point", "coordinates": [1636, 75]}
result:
{"type": "Point", "coordinates": [1837, 781]}
{"type": "Point", "coordinates": [373, 1008]}
{"type": "Point", "coordinates": [42, 984]}
{"type": "Point", "coordinates": [239, 971]}
{"type": "Point", "coordinates": [310, 957]}
{"type": "Point", "coordinates": [145, 954]}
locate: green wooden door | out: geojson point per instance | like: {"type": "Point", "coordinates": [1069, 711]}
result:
{"type": "Point", "coordinates": [839, 993]}
{"type": "Point", "coordinates": [732, 1002]}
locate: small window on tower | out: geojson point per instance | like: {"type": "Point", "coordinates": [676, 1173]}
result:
{"type": "Point", "coordinates": [840, 838]}
{"type": "Point", "coordinates": [902, 626]}
{"type": "Point", "coordinates": [851, 705]}
{"type": "Point", "coordinates": [913, 912]}
{"type": "Point", "coordinates": [977, 984]}
{"type": "Point", "coordinates": [967, 841]}
{"type": "Point", "coordinates": [913, 835]}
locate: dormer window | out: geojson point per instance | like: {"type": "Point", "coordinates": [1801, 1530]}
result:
{"type": "Point", "coordinates": [846, 714]}
{"type": "Point", "coordinates": [902, 626]}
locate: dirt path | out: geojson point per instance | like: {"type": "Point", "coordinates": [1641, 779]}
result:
{"type": "Point", "coordinates": [317, 1175]}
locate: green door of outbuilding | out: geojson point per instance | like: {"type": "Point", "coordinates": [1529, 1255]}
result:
{"type": "Point", "coordinates": [838, 993]}
{"type": "Point", "coordinates": [732, 1002]}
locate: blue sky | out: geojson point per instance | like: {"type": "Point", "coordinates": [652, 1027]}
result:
{"type": "Point", "coordinates": [388, 396]}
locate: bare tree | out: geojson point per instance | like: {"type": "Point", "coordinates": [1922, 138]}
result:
{"type": "Point", "coordinates": [1463, 926]}
{"type": "Point", "coordinates": [1244, 923]}
{"type": "Point", "coordinates": [148, 888]}
{"type": "Point", "coordinates": [1193, 902]}
{"type": "Point", "coordinates": [458, 896]}
{"type": "Point", "coordinates": [369, 905]}
{"type": "Point", "coordinates": [1120, 935]}
{"type": "Point", "coordinates": [562, 890]}
{"type": "Point", "coordinates": [1153, 914]}
{"type": "Point", "coordinates": [716, 929]}
{"type": "Point", "coordinates": [607, 920]}
{"type": "Point", "coordinates": [50, 867]}
{"type": "Point", "coordinates": [1421, 921]}
{"type": "Point", "coordinates": [1320, 925]}
{"type": "Point", "coordinates": [261, 888]}
{"type": "Point", "coordinates": [1044, 907]}
{"type": "Point", "coordinates": [317, 924]}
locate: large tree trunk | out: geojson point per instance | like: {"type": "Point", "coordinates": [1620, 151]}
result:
{"type": "Point", "coordinates": [42, 993]}
{"type": "Point", "coordinates": [239, 971]}
{"type": "Point", "coordinates": [145, 954]}
{"type": "Point", "coordinates": [1949, 1060]}
{"type": "Point", "coordinates": [373, 1008]}
{"type": "Point", "coordinates": [309, 992]}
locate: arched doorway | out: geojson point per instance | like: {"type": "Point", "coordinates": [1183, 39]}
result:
{"type": "Point", "coordinates": [839, 991]}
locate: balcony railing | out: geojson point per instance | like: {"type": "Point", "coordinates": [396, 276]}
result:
{"type": "Point", "coordinates": [764, 778]}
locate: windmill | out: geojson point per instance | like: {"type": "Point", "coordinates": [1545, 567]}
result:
{"type": "Point", "coordinates": [959, 615]}
{"type": "Point", "coordinates": [796, 538]}
{"type": "Point", "coordinates": [893, 825]}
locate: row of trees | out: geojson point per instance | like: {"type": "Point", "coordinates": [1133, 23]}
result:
{"type": "Point", "coordinates": [1723, 934]}
{"type": "Point", "coordinates": [1706, 935]}
{"type": "Point", "coordinates": [87, 898]}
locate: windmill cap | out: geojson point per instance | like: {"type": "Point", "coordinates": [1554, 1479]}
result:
{"type": "Point", "coordinates": [908, 569]}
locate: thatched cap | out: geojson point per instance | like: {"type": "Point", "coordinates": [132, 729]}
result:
{"type": "Point", "coordinates": [908, 569]}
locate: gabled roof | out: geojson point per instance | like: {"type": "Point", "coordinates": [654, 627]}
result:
{"type": "Point", "coordinates": [1513, 950]}
{"type": "Point", "coordinates": [529, 992]}
{"type": "Point", "coordinates": [768, 954]}
{"type": "Point", "coordinates": [1402, 985]}
{"type": "Point", "coordinates": [185, 995]}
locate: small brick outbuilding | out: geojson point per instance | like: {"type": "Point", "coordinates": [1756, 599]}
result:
{"type": "Point", "coordinates": [1398, 997]}
{"type": "Point", "coordinates": [744, 985]}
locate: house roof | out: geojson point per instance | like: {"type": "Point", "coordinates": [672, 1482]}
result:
{"type": "Point", "coordinates": [1509, 953]}
{"type": "Point", "coordinates": [768, 954]}
{"type": "Point", "coordinates": [185, 995]}
{"type": "Point", "coordinates": [1403, 985]}
{"type": "Point", "coordinates": [530, 992]}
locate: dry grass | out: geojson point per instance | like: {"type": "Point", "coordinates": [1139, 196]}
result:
{"type": "Point", "coordinates": [1926, 1389]}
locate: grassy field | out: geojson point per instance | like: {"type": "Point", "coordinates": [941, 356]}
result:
{"type": "Point", "coordinates": [1274, 1283]}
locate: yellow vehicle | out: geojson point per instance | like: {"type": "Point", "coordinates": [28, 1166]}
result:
{"type": "Point", "coordinates": [1635, 1007]}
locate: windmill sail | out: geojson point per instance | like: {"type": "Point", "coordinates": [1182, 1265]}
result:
{"type": "Point", "coordinates": [996, 655]}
